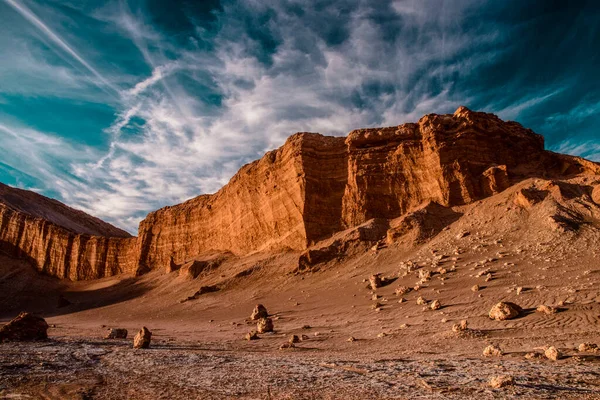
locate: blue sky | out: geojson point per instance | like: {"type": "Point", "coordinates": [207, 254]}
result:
{"type": "Point", "coordinates": [121, 107]}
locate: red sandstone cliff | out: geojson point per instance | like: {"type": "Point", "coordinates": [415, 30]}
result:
{"type": "Point", "coordinates": [59, 240]}
{"type": "Point", "coordinates": [305, 191]}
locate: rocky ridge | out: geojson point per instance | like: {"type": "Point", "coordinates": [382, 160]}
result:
{"type": "Point", "coordinates": [309, 196]}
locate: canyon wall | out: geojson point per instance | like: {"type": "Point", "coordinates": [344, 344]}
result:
{"type": "Point", "coordinates": [59, 252]}
{"type": "Point", "coordinates": [305, 191]}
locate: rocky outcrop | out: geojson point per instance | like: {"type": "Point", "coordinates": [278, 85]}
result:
{"type": "Point", "coordinates": [300, 197]}
{"type": "Point", "coordinates": [25, 327]}
{"type": "Point", "coordinates": [60, 252]}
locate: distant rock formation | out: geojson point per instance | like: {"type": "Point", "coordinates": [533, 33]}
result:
{"type": "Point", "coordinates": [302, 193]}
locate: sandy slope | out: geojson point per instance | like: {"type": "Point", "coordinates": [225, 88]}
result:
{"type": "Point", "coordinates": [199, 351]}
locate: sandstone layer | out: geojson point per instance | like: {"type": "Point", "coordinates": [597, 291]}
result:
{"type": "Point", "coordinates": [302, 193]}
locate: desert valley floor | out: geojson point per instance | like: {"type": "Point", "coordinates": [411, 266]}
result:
{"type": "Point", "coordinates": [400, 349]}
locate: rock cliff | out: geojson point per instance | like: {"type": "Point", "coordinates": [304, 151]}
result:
{"type": "Point", "coordinates": [308, 190]}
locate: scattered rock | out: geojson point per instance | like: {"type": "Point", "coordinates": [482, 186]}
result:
{"type": "Point", "coordinates": [402, 290]}
{"type": "Point", "coordinates": [304, 337]}
{"type": "Point", "coordinates": [116, 333]}
{"type": "Point", "coordinates": [492, 351]}
{"type": "Point", "coordinates": [294, 339]}
{"type": "Point", "coordinates": [264, 325]}
{"type": "Point", "coordinates": [287, 346]}
{"type": "Point", "coordinates": [252, 335]}
{"type": "Point", "coordinates": [435, 305]}
{"type": "Point", "coordinates": [375, 281]}
{"type": "Point", "coordinates": [475, 288]}
{"type": "Point", "coordinates": [546, 309]}
{"type": "Point", "coordinates": [532, 355]}
{"type": "Point", "coordinates": [460, 327]}
{"type": "Point", "coordinates": [519, 290]}
{"type": "Point", "coordinates": [351, 339]}
{"type": "Point", "coordinates": [588, 348]}
{"type": "Point", "coordinates": [552, 353]}
{"type": "Point", "coordinates": [142, 339]}
{"type": "Point", "coordinates": [501, 381]}
{"type": "Point", "coordinates": [25, 327]}
{"type": "Point", "coordinates": [259, 312]}
{"type": "Point", "coordinates": [421, 301]}
{"type": "Point", "coordinates": [505, 310]}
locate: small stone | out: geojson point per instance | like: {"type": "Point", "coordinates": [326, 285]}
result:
{"type": "Point", "coordinates": [588, 348]}
{"type": "Point", "coordinates": [552, 353]}
{"type": "Point", "coordinates": [460, 327]}
{"type": "Point", "coordinates": [252, 335]}
{"type": "Point", "coordinates": [501, 381]}
{"type": "Point", "coordinates": [259, 312]}
{"type": "Point", "coordinates": [382, 334]}
{"type": "Point", "coordinates": [304, 337]}
{"type": "Point", "coordinates": [492, 351]}
{"type": "Point", "coordinates": [287, 346]}
{"type": "Point", "coordinates": [435, 305]}
{"type": "Point", "coordinates": [351, 339]}
{"type": "Point", "coordinates": [116, 333]}
{"type": "Point", "coordinates": [402, 290]}
{"type": "Point", "coordinates": [374, 297]}
{"type": "Point", "coordinates": [375, 281]}
{"type": "Point", "coordinates": [519, 290]}
{"type": "Point", "coordinates": [546, 309]}
{"type": "Point", "coordinates": [421, 301]}
{"type": "Point", "coordinates": [505, 310]}
{"type": "Point", "coordinates": [264, 325]}
{"type": "Point", "coordinates": [142, 339]}
{"type": "Point", "coordinates": [294, 339]}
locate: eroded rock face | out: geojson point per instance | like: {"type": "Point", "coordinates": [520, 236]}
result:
{"type": "Point", "coordinates": [25, 327]}
{"type": "Point", "coordinates": [57, 251]}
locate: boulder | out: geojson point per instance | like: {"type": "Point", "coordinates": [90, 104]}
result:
{"type": "Point", "coordinates": [492, 351]}
{"type": "Point", "coordinates": [375, 281]}
{"type": "Point", "coordinates": [264, 325]}
{"type": "Point", "coordinates": [259, 312]}
{"type": "Point", "coordinates": [549, 310]}
{"type": "Point", "coordinates": [505, 310]}
{"type": "Point", "coordinates": [142, 339]}
{"type": "Point", "coordinates": [552, 353]}
{"type": "Point", "coordinates": [435, 305]}
{"type": "Point", "coordinates": [116, 333]}
{"type": "Point", "coordinates": [460, 327]}
{"type": "Point", "coordinates": [25, 327]}
{"type": "Point", "coordinates": [588, 348]}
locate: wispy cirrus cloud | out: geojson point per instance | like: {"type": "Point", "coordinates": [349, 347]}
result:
{"type": "Point", "coordinates": [202, 88]}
